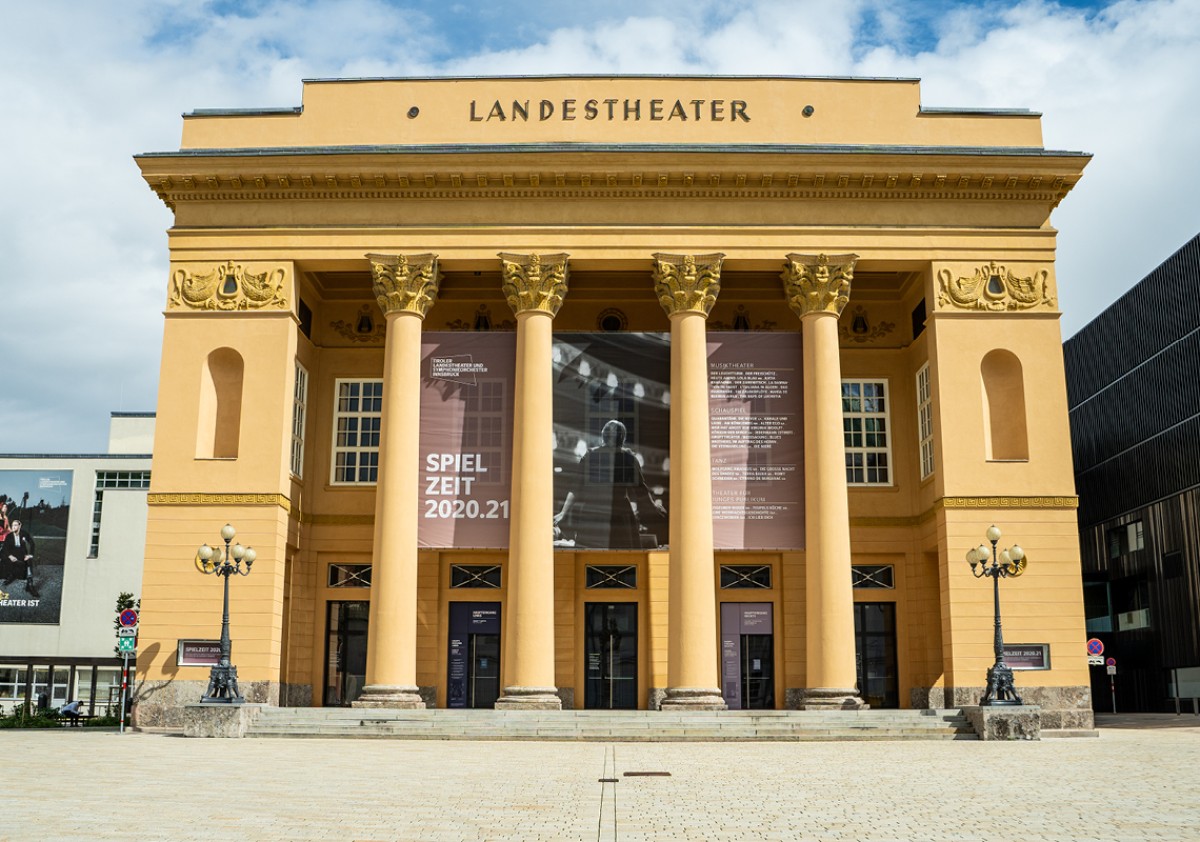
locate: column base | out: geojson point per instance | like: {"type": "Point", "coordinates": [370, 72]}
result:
{"type": "Point", "coordinates": [831, 698]}
{"type": "Point", "coordinates": [400, 696]}
{"type": "Point", "coordinates": [693, 698]}
{"type": "Point", "coordinates": [529, 698]}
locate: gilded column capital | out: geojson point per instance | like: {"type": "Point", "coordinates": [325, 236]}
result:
{"type": "Point", "coordinates": [534, 282]}
{"type": "Point", "coordinates": [687, 282]}
{"type": "Point", "coordinates": [818, 283]}
{"type": "Point", "coordinates": [405, 283]}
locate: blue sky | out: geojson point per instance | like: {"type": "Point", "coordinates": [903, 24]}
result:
{"type": "Point", "coordinates": [86, 84]}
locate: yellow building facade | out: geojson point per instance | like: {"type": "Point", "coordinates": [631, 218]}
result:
{"type": "Point", "coordinates": [613, 392]}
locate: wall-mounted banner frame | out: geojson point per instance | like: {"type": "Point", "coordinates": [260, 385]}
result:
{"type": "Point", "coordinates": [1027, 656]}
{"type": "Point", "coordinates": [35, 511]}
{"type": "Point", "coordinates": [198, 653]}
{"type": "Point", "coordinates": [467, 384]}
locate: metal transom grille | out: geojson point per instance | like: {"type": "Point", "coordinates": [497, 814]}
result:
{"type": "Point", "coordinates": [873, 576]}
{"type": "Point", "coordinates": [474, 575]}
{"type": "Point", "coordinates": [349, 575]}
{"type": "Point", "coordinates": [611, 576]}
{"type": "Point", "coordinates": [745, 576]}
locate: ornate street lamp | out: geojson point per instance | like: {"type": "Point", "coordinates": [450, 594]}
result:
{"type": "Point", "coordinates": [1010, 562]}
{"type": "Point", "coordinates": [222, 681]}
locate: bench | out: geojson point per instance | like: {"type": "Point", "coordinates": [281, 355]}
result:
{"type": "Point", "coordinates": [74, 721]}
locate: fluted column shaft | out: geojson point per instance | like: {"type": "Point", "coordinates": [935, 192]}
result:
{"type": "Point", "coordinates": [818, 287]}
{"type": "Point", "coordinates": [534, 286]}
{"type": "Point", "coordinates": [405, 288]}
{"type": "Point", "coordinates": [687, 286]}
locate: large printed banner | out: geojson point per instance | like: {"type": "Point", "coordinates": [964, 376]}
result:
{"type": "Point", "coordinates": [756, 412]}
{"type": "Point", "coordinates": [612, 427]}
{"type": "Point", "coordinates": [612, 422]}
{"type": "Point", "coordinates": [466, 438]}
{"type": "Point", "coordinates": [35, 508]}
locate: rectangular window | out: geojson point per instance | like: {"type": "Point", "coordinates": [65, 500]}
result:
{"type": "Point", "coordinates": [745, 576]}
{"type": "Point", "coordinates": [925, 421]}
{"type": "Point", "coordinates": [611, 576]}
{"type": "Point", "coordinates": [872, 576]}
{"type": "Point", "coordinates": [357, 416]}
{"type": "Point", "coordinates": [299, 413]}
{"type": "Point", "coordinates": [349, 575]}
{"type": "Point", "coordinates": [866, 427]}
{"type": "Point", "coordinates": [474, 575]}
{"type": "Point", "coordinates": [132, 480]}
{"type": "Point", "coordinates": [1125, 539]}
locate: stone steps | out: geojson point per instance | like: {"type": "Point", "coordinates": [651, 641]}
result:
{"type": "Point", "coordinates": [611, 726]}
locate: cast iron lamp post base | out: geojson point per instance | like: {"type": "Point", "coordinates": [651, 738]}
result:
{"type": "Point", "coordinates": [222, 681]}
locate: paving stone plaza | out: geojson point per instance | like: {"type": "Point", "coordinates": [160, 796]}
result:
{"type": "Point", "coordinates": [1137, 781]}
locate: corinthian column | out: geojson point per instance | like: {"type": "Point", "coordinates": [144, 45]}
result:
{"type": "Point", "coordinates": [817, 289]}
{"type": "Point", "coordinates": [534, 286]}
{"type": "Point", "coordinates": [687, 287]}
{"type": "Point", "coordinates": [405, 287]}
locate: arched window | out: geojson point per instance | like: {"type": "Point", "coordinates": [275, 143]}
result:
{"type": "Point", "coordinates": [1005, 430]}
{"type": "Point", "coordinates": [220, 421]}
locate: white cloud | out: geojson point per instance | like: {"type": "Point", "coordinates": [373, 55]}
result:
{"type": "Point", "coordinates": [89, 84]}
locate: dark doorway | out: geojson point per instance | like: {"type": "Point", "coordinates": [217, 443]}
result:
{"type": "Point", "coordinates": [611, 656]}
{"type": "Point", "coordinates": [473, 665]}
{"type": "Point", "coordinates": [875, 646]}
{"type": "Point", "coordinates": [345, 652]}
{"type": "Point", "coordinates": [747, 656]}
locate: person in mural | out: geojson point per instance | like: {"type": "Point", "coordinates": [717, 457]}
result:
{"type": "Point", "coordinates": [17, 554]}
{"type": "Point", "coordinates": [610, 501]}
{"type": "Point", "coordinates": [4, 527]}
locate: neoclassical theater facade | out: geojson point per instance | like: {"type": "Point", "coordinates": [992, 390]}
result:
{"type": "Point", "coordinates": [613, 392]}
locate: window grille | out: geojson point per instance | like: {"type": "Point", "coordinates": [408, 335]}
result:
{"type": "Point", "coordinates": [735, 576]}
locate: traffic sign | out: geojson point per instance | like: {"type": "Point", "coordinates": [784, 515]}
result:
{"type": "Point", "coordinates": [127, 632]}
{"type": "Point", "coordinates": [1112, 669]}
{"type": "Point", "coordinates": [1095, 661]}
{"type": "Point", "coordinates": [128, 617]}
{"type": "Point", "coordinates": [126, 644]}
{"type": "Point", "coordinates": [1095, 647]}
{"type": "Point", "coordinates": [1112, 662]}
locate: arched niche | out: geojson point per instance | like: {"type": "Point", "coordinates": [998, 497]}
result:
{"type": "Point", "coordinates": [1005, 428]}
{"type": "Point", "coordinates": [219, 426]}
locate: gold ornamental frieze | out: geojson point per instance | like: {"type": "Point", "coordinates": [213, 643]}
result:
{"type": "Point", "coordinates": [405, 283]}
{"type": "Point", "coordinates": [229, 286]}
{"type": "Point", "coordinates": [818, 283]}
{"type": "Point", "coordinates": [205, 499]}
{"type": "Point", "coordinates": [1008, 503]}
{"type": "Point", "coordinates": [534, 282]}
{"type": "Point", "coordinates": [994, 287]}
{"type": "Point", "coordinates": [687, 282]}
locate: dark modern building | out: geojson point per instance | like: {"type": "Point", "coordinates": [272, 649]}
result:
{"type": "Point", "coordinates": [1133, 385]}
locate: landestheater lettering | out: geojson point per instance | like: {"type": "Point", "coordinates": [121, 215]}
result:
{"type": "Point", "coordinates": [657, 110]}
{"type": "Point", "coordinates": [599, 409]}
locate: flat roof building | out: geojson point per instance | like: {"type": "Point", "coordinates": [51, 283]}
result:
{"type": "Point", "coordinates": [614, 392]}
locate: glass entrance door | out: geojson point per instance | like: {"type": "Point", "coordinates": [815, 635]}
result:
{"type": "Point", "coordinates": [611, 656]}
{"type": "Point", "coordinates": [473, 662]}
{"type": "Point", "coordinates": [345, 652]}
{"type": "Point", "coordinates": [747, 655]}
{"type": "Point", "coordinates": [875, 644]}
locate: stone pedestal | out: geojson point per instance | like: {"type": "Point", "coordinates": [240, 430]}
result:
{"type": "Point", "coordinates": [1005, 722]}
{"type": "Point", "coordinates": [693, 698]}
{"type": "Point", "coordinates": [529, 698]}
{"type": "Point", "coordinates": [401, 697]}
{"type": "Point", "coordinates": [831, 698]}
{"type": "Point", "coordinates": [218, 720]}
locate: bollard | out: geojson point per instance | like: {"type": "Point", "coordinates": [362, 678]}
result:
{"type": "Point", "coordinates": [1177, 706]}
{"type": "Point", "coordinates": [1195, 706]}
